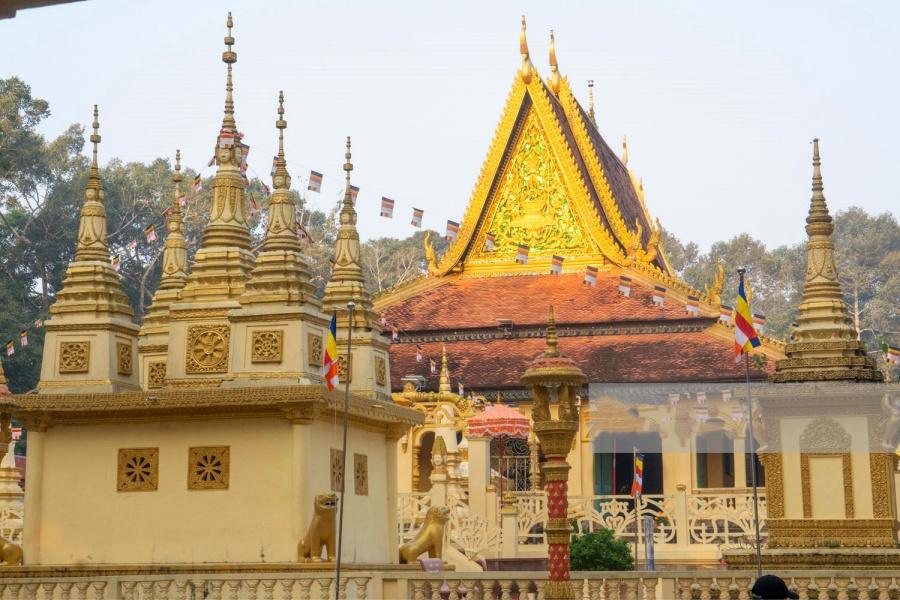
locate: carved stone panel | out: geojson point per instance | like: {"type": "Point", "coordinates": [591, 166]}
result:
{"type": "Point", "coordinates": [156, 373]}
{"type": "Point", "coordinates": [138, 470]}
{"type": "Point", "coordinates": [344, 374]}
{"type": "Point", "coordinates": [267, 346]}
{"type": "Point", "coordinates": [74, 357]}
{"type": "Point", "coordinates": [209, 467]}
{"type": "Point", "coordinates": [337, 469]}
{"type": "Point", "coordinates": [207, 348]}
{"type": "Point", "coordinates": [125, 364]}
{"type": "Point", "coordinates": [380, 370]}
{"type": "Point", "coordinates": [314, 343]}
{"type": "Point", "coordinates": [824, 435]}
{"type": "Point", "coordinates": [361, 474]}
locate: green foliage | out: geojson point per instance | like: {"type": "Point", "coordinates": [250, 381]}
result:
{"type": "Point", "coordinates": [599, 550]}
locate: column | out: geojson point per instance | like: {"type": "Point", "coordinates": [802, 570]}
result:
{"type": "Point", "coordinates": [301, 510]}
{"type": "Point", "coordinates": [391, 450]}
{"type": "Point", "coordinates": [740, 462]}
{"type": "Point", "coordinates": [31, 544]}
{"type": "Point", "coordinates": [479, 474]}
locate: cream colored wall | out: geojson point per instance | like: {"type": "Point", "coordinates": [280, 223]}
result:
{"type": "Point", "coordinates": [826, 501]}
{"type": "Point", "coordinates": [85, 520]}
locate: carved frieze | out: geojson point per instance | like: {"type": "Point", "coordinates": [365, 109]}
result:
{"type": "Point", "coordinates": [125, 361]}
{"type": "Point", "coordinates": [209, 467]}
{"type": "Point", "coordinates": [74, 357]}
{"type": "Point", "coordinates": [207, 348]}
{"type": "Point", "coordinates": [138, 470]}
{"type": "Point", "coordinates": [267, 346]}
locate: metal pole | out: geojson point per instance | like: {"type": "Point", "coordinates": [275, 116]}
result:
{"type": "Point", "coordinates": [637, 507]}
{"type": "Point", "coordinates": [753, 470]}
{"type": "Point", "coordinates": [337, 571]}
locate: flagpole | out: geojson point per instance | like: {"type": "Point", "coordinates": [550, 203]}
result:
{"type": "Point", "coordinates": [753, 458]}
{"type": "Point", "coordinates": [337, 570]}
{"type": "Point", "coordinates": [637, 507]}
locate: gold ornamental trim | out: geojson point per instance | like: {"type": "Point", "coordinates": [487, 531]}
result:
{"type": "Point", "coordinates": [816, 533]}
{"type": "Point", "coordinates": [205, 382]}
{"type": "Point", "coordinates": [208, 348]}
{"type": "Point", "coordinates": [847, 472]}
{"type": "Point", "coordinates": [153, 349]}
{"type": "Point", "coordinates": [87, 383]}
{"type": "Point", "coordinates": [184, 314]}
{"type": "Point", "coordinates": [126, 329]}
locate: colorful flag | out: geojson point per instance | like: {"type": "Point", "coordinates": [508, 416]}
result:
{"type": "Point", "coordinates": [23, 338]}
{"type": "Point", "coordinates": [737, 413]}
{"type": "Point", "coordinates": [701, 413]}
{"type": "Point", "coordinates": [198, 183]}
{"type": "Point", "coordinates": [417, 217]}
{"type": "Point", "coordinates": [556, 265]}
{"type": "Point", "coordinates": [266, 189]}
{"type": "Point", "coordinates": [387, 207]}
{"type": "Point", "coordinates": [590, 276]}
{"type": "Point", "coordinates": [674, 398]}
{"type": "Point", "coordinates": [701, 397]}
{"type": "Point", "coordinates": [39, 323]}
{"type": "Point", "coordinates": [274, 165]}
{"type": "Point", "coordinates": [212, 161]}
{"type": "Point", "coordinates": [10, 348]}
{"type": "Point", "coordinates": [726, 395]}
{"type": "Point", "coordinates": [744, 335]}
{"type": "Point", "coordinates": [794, 327]}
{"type": "Point", "coordinates": [433, 366]}
{"type": "Point", "coordinates": [625, 286]}
{"type": "Point", "coordinates": [418, 353]}
{"type": "Point", "coordinates": [303, 234]}
{"type": "Point", "coordinates": [395, 333]}
{"type": "Point", "coordinates": [462, 388]}
{"type": "Point", "coordinates": [150, 233]}
{"type": "Point", "coordinates": [659, 295]}
{"type": "Point", "coordinates": [315, 181]}
{"type": "Point", "coordinates": [637, 486]}
{"type": "Point", "coordinates": [354, 192]}
{"type": "Point", "coordinates": [489, 240]}
{"type": "Point", "coordinates": [331, 266]}
{"type": "Point", "coordinates": [253, 207]}
{"type": "Point", "coordinates": [167, 212]}
{"type": "Point", "coordinates": [226, 140]}
{"type": "Point", "coordinates": [116, 263]}
{"type": "Point", "coordinates": [522, 254]}
{"type": "Point", "coordinates": [452, 231]}
{"type": "Point", "coordinates": [132, 245]}
{"type": "Point", "coordinates": [893, 355]}
{"type": "Point", "coordinates": [182, 199]}
{"type": "Point", "coordinates": [725, 314]}
{"type": "Point", "coordinates": [384, 319]}
{"type": "Point", "coordinates": [245, 152]}
{"type": "Point", "coordinates": [16, 433]}
{"type": "Point", "coordinates": [759, 322]}
{"type": "Point", "coordinates": [693, 306]}
{"type": "Point", "coordinates": [330, 364]}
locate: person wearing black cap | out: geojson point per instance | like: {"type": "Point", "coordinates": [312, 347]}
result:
{"type": "Point", "coordinates": [770, 587]}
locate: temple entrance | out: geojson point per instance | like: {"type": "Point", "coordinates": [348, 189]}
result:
{"type": "Point", "coordinates": [423, 455]}
{"type": "Point", "coordinates": [614, 463]}
{"type": "Point", "coordinates": [715, 460]}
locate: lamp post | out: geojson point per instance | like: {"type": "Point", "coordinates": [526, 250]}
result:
{"type": "Point", "coordinates": [552, 374]}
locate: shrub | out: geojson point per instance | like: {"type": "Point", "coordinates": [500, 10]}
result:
{"type": "Point", "coordinates": [599, 550]}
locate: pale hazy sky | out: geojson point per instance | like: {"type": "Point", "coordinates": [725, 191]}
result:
{"type": "Point", "coordinates": [719, 100]}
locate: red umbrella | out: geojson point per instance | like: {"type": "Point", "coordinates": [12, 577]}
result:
{"type": "Point", "coordinates": [497, 421]}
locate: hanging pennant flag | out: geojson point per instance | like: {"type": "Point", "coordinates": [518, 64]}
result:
{"type": "Point", "coordinates": [693, 306]}
{"type": "Point", "coordinates": [637, 484]}
{"type": "Point", "coordinates": [23, 338]}
{"type": "Point", "coordinates": [132, 245]}
{"type": "Point", "coordinates": [212, 161]}
{"type": "Point", "coordinates": [522, 254]}
{"type": "Point", "coordinates": [266, 189]}
{"type": "Point", "coordinates": [701, 397]}
{"type": "Point", "coordinates": [759, 322]}
{"type": "Point", "coordinates": [331, 363]}
{"type": "Point", "coordinates": [726, 395]}
{"type": "Point", "coordinates": [182, 199]}
{"type": "Point", "coordinates": [387, 207]}
{"type": "Point", "coordinates": [331, 266]}
{"type": "Point", "coordinates": [418, 353]}
{"type": "Point", "coordinates": [489, 242]}
{"type": "Point", "coordinates": [433, 366]}
{"type": "Point", "coordinates": [354, 192]}
{"type": "Point", "coordinates": [383, 319]}
{"type": "Point", "coordinates": [452, 231]}
{"type": "Point", "coordinates": [167, 212]}
{"type": "Point", "coordinates": [16, 433]}
{"type": "Point", "coordinates": [395, 333]}
{"type": "Point", "coordinates": [737, 413]}
{"type": "Point", "coordinates": [725, 314]}
{"type": "Point", "coordinates": [462, 389]}
{"type": "Point", "coordinates": [417, 217]}
{"type": "Point", "coordinates": [116, 263]}
{"type": "Point", "coordinates": [625, 286]}
{"type": "Point", "coordinates": [274, 166]}
{"type": "Point", "coordinates": [701, 413]}
{"type": "Point", "coordinates": [745, 338]}
{"type": "Point", "coordinates": [590, 276]}
{"type": "Point", "coordinates": [674, 398]}
{"type": "Point", "coordinates": [303, 234]}
{"type": "Point", "coordinates": [659, 295]}
{"type": "Point", "coordinates": [10, 348]}
{"type": "Point", "coordinates": [253, 207]}
{"type": "Point", "coordinates": [556, 264]}
{"type": "Point", "coordinates": [245, 152]}
{"type": "Point", "coordinates": [150, 233]}
{"type": "Point", "coordinates": [315, 181]}
{"type": "Point", "coordinates": [198, 183]}
{"type": "Point", "coordinates": [893, 355]}
{"type": "Point", "coordinates": [226, 140]}
{"type": "Point", "coordinates": [39, 323]}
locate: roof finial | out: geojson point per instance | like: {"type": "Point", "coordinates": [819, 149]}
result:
{"type": "Point", "coordinates": [348, 166]}
{"type": "Point", "coordinates": [92, 242]}
{"type": "Point", "coordinates": [284, 181]}
{"type": "Point", "coordinates": [527, 68]}
{"type": "Point", "coordinates": [281, 225]}
{"type": "Point", "coordinates": [552, 340]}
{"type": "Point", "coordinates": [554, 66]}
{"type": "Point", "coordinates": [444, 382]}
{"type": "Point", "coordinates": [174, 259]}
{"type": "Point", "coordinates": [819, 220]}
{"type": "Point", "coordinates": [229, 57]}
{"type": "Point", "coordinates": [95, 140]}
{"type": "Point", "coordinates": [591, 102]}
{"type": "Point", "coordinates": [176, 208]}
{"type": "Point", "coordinates": [625, 150]}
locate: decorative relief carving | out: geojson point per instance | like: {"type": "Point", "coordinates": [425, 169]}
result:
{"type": "Point", "coordinates": [74, 357]}
{"type": "Point", "coordinates": [361, 474]}
{"type": "Point", "coordinates": [125, 360]}
{"type": "Point", "coordinates": [880, 467]}
{"type": "Point", "coordinates": [337, 469]}
{"type": "Point", "coordinates": [774, 484]}
{"type": "Point", "coordinates": [824, 435]}
{"type": "Point", "coordinates": [267, 346]}
{"type": "Point", "coordinates": [207, 348]}
{"type": "Point", "coordinates": [314, 343]}
{"type": "Point", "coordinates": [209, 467]}
{"type": "Point", "coordinates": [138, 470]}
{"type": "Point", "coordinates": [856, 533]}
{"type": "Point", "coordinates": [156, 373]}
{"type": "Point", "coordinates": [380, 370]}
{"type": "Point", "coordinates": [344, 374]}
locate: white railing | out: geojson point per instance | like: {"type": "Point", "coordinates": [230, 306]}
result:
{"type": "Point", "coordinates": [473, 535]}
{"type": "Point", "coordinates": [11, 523]}
{"type": "Point", "coordinates": [411, 511]}
{"type": "Point", "coordinates": [724, 519]}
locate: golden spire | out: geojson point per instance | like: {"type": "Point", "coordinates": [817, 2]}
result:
{"type": "Point", "coordinates": [591, 102]}
{"type": "Point", "coordinates": [554, 67]}
{"type": "Point", "coordinates": [2, 374]}
{"type": "Point", "coordinates": [92, 242]}
{"type": "Point", "coordinates": [281, 228]}
{"type": "Point", "coordinates": [175, 251]}
{"type": "Point", "coordinates": [444, 383]}
{"type": "Point", "coordinates": [552, 340]}
{"type": "Point", "coordinates": [229, 57]}
{"type": "Point", "coordinates": [527, 70]}
{"type": "Point", "coordinates": [624, 151]}
{"type": "Point", "coordinates": [825, 346]}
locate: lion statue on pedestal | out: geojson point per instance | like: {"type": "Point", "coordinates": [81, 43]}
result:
{"type": "Point", "coordinates": [10, 554]}
{"type": "Point", "coordinates": [321, 530]}
{"type": "Point", "coordinates": [430, 538]}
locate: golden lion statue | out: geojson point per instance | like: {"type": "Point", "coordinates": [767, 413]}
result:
{"type": "Point", "coordinates": [10, 554]}
{"type": "Point", "coordinates": [321, 530]}
{"type": "Point", "coordinates": [430, 538]}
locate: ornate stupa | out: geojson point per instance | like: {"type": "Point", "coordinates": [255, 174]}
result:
{"type": "Point", "coordinates": [825, 346]}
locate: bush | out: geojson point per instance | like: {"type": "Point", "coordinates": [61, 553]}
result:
{"type": "Point", "coordinates": [599, 550]}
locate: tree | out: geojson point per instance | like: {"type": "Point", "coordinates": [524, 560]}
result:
{"type": "Point", "coordinates": [599, 550]}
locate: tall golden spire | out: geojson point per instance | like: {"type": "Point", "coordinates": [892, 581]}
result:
{"type": "Point", "coordinates": [174, 261]}
{"type": "Point", "coordinates": [444, 382]}
{"type": "Point", "coordinates": [527, 70]}
{"type": "Point", "coordinates": [552, 340]}
{"type": "Point", "coordinates": [229, 57]}
{"type": "Point", "coordinates": [825, 346]}
{"type": "Point", "coordinates": [624, 151]}
{"type": "Point", "coordinates": [591, 102]}
{"type": "Point", "coordinates": [555, 79]}
{"type": "Point", "coordinates": [92, 242]}
{"type": "Point", "coordinates": [281, 228]}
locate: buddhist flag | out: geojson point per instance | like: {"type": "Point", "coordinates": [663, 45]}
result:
{"type": "Point", "coordinates": [462, 389]}
{"type": "Point", "coordinates": [23, 338]}
{"type": "Point", "coordinates": [253, 207]}
{"type": "Point", "coordinates": [522, 254]}
{"type": "Point", "coordinates": [759, 322]}
{"type": "Point", "coordinates": [693, 306]}
{"type": "Point", "coordinates": [266, 189]}
{"type": "Point", "coordinates": [245, 152]}
{"type": "Point", "coordinates": [395, 333]}
{"type": "Point", "coordinates": [303, 234]}
{"type": "Point", "coordinates": [383, 319]}
{"type": "Point", "coordinates": [10, 348]}
{"type": "Point", "coordinates": [39, 323]}
{"type": "Point", "coordinates": [354, 192]}
{"type": "Point", "coordinates": [433, 366]}
{"type": "Point", "coordinates": [16, 433]}
{"type": "Point", "coordinates": [489, 240]}
{"type": "Point", "coordinates": [182, 199]}
{"type": "Point", "coordinates": [556, 265]}
{"type": "Point", "coordinates": [330, 364]}
{"type": "Point", "coordinates": [701, 397]}
{"type": "Point", "coordinates": [116, 263]}
{"type": "Point", "coordinates": [132, 245]}
{"type": "Point", "coordinates": [625, 286]}
{"type": "Point", "coordinates": [419, 357]}
{"type": "Point", "coordinates": [417, 217]}
{"type": "Point", "coordinates": [331, 266]}
{"type": "Point", "coordinates": [744, 335]}
{"type": "Point", "coordinates": [212, 161]}
{"type": "Point", "coordinates": [725, 314]}
{"type": "Point", "coordinates": [590, 276]}
{"type": "Point", "coordinates": [726, 395]}
{"type": "Point", "coordinates": [198, 184]}
{"type": "Point", "coordinates": [226, 140]}
{"type": "Point", "coordinates": [315, 181]}
{"type": "Point", "coordinates": [737, 413]}
{"type": "Point", "coordinates": [150, 233]}
{"type": "Point", "coordinates": [387, 207]}
{"type": "Point", "coordinates": [659, 295]}
{"type": "Point", "coordinates": [452, 231]}
{"type": "Point", "coordinates": [701, 413]}
{"type": "Point", "coordinates": [893, 355]}
{"type": "Point", "coordinates": [637, 486]}
{"type": "Point", "coordinates": [674, 398]}
{"type": "Point", "coordinates": [274, 165]}
{"type": "Point", "coordinates": [167, 212]}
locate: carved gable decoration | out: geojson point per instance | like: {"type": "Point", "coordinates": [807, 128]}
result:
{"type": "Point", "coordinates": [824, 435]}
